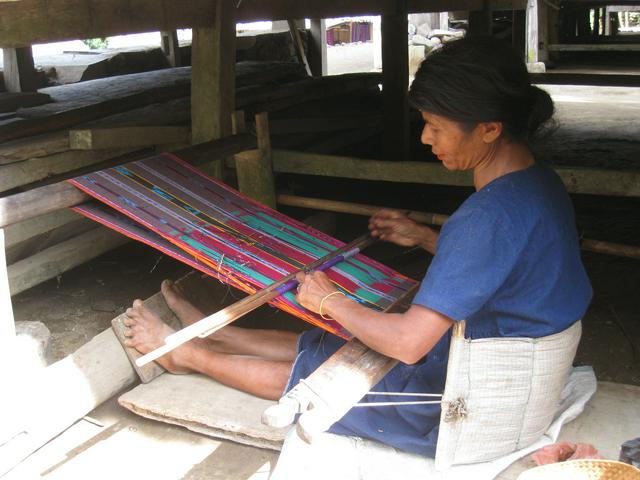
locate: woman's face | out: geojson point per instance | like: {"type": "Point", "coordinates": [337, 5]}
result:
{"type": "Point", "coordinates": [456, 147]}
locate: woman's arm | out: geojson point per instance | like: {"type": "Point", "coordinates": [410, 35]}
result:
{"type": "Point", "coordinates": [405, 336]}
{"type": "Point", "coordinates": [394, 226]}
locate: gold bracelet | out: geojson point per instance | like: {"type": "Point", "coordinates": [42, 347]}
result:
{"type": "Point", "coordinates": [323, 300]}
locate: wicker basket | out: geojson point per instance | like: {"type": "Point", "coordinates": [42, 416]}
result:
{"type": "Point", "coordinates": [594, 469]}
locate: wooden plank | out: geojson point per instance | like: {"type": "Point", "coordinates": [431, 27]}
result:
{"type": "Point", "coordinates": [584, 180]}
{"type": "Point", "coordinates": [395, 83]}
{"type": "Point", "coordinates": [60, 258]}
{"type": "Point", "coordinates": [303, 163]}
{"type": "Point", "coordinates": [213, 78]}
{"type": "Point", "coordinates": [12, 101]}
{"type": "Point", "coordinates": [120, 137]}
{"type": "Point", "coordinates": [18, 70]}
{"type": "Point", "coordinates": [594, 47]}
{"type": "Point", "coordinates": [318, 47]}
{"type": "Point", "coordinates": [29, 171]}
{"type": "Point", "coordinates": [203, 405]}
{"type": "Point", "coordinates": [28, 229]}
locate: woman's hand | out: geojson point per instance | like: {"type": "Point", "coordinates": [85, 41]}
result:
{"type": "Point", "coordinates": [395, 227]}
{"type": "Point", "coordinates": [314, 286]}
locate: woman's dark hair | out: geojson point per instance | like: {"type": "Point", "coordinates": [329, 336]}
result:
{"type": "Point", "coordinates": [481, 79]}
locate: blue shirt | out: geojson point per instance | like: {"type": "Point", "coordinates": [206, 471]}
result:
{"type": "Point", "coordinates": [507, 262]}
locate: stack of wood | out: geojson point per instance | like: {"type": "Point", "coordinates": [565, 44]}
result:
{"type": "Point", "coordinates": [100, 123]}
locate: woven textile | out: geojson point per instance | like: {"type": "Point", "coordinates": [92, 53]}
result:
{"type": "Point", "coordinates": [214, 228]}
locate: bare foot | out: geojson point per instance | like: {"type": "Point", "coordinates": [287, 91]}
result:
{"type": "Point", "coordinates": [177, 302]}
{"type": "Point", "coordinates": [146, 332]}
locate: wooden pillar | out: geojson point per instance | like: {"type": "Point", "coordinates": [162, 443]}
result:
{"type": "Point", "coordinates": [213, 57]}
{"type": "Point", "coordinates": [298, 45]}
{"type": "Point", "coordinates": [171, 47]}
{"type": "Point", "coordinates": [19, 71]}
{"type": "Point", "coordinates": [318, 47]}
{"type": "Point", "coordinates": [395, 83]}
{"type": "Point", "coordinates": [481, 21]}
{"type": "Point", "coordinates": [254, 168]}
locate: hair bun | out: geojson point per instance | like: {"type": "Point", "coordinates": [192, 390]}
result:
{"type": "Point", "coordinates": [540, 109]}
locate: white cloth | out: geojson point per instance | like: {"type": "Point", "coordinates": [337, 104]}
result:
{"type": "Point", "coordinates": [334, 457]}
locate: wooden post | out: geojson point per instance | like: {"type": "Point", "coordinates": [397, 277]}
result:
{"type": "Point", "coordinates": [532, 39]}
{"type": "Point", "coordinates": [395, 83]}
{"type": "Point", "coordinates": [298, 46]}
{"type": "Point", "coordinates": [213, 56]}
{"type": "Point", "coordinates": [318, 47]}
{"type": "Point", "coordinates": [254, 168]}
{"type": "Point", "coordinates": [171, 47]}
{"type": "Point", "coordinates": [481, 21]}
{"type": "Point", "coordinates": [19, 71]}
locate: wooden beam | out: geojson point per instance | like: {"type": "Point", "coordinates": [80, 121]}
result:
{"type": "Point", "coordinates": [120, 137]}
{"type": "Point", "coordinates": [29, 21]}
{"type": "Point", "coordinates": [33, 227]}
{"type": "Point", "coordinates": [318, 47]}
{"type": "Point", "coordinates": [213, 77]}
{"type": "Point", "coordinates": [583, 180]}
{"type": "Point", "coordinates": [60, 258]}
{"type": "Point", "coordinates": [395, 72]}
{"type": "Point", "coordinates": [10, 102]}
{"type": "Point", "coordinates": [18, 70]}
{"type": "Point", "coordinates": [41, 21]}
{"type": "Point", "coordinates": [29, 171]}
{"type": "Point", "coordinates": [171, 47]}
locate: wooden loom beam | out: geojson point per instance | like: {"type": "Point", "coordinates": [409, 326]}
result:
{"type": "Point", "coordinates": [332, 389]}
{"type": "Point", "coordinates": [590, 245]}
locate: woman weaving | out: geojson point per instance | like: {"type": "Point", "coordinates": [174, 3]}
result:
{"type": "Point", "coordinates": [507, 261]}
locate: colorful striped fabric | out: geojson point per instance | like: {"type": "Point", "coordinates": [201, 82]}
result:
{"type": "Point", "coordinates": [219, 231]}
